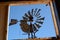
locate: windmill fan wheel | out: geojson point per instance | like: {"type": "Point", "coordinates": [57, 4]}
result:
{"type": "Point", "coordinates": [29, 17]}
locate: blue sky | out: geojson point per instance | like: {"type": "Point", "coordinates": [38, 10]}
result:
{"type": "Point", "coordinates": [16, 12]}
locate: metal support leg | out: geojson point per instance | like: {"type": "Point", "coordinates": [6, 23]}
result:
{"type": "Point", "coordinates": [28, 35]}
{"type": "Point", "coordinates": [31, 35]}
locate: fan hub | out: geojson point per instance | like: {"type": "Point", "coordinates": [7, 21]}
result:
{"type": "Point", "coordinates": [31, 18]}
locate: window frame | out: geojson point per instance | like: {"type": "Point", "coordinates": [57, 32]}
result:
{"type": "Point", "coordinates": [37, 2]}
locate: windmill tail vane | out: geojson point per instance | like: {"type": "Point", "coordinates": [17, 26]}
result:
{"type": "Point", "coordinates": [13, 21]}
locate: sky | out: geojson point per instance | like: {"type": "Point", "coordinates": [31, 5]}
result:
{"type": "Point", "coordinates": [16, 12]}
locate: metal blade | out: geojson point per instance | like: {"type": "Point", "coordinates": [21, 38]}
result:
{"type": "Point", "coordinates": [32, 12]}
{"type": "Point", "coordinates": [35, 11]}
{"type": "Point", "coordinates": [41, 18]}
{"type": "Point", "coordinates": [29, 14]}
{"type": "Point", "coordinates": [24, 18]}
{"type": "Point", "coordinates": [37, 25]}
{"type": "Point", "coordinates": [34, 27]}
{"type": "Point", "coordinates": [40, 22]}
{"type": "Point", "coordinates": [38, 10]}
{"type": "Point", "coordinates": [38, 16]}
{"type": "Point", "coordinates": [26, 15]}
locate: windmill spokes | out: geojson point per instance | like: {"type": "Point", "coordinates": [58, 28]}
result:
{"type": "Point", "coordinates": [34, 27]}
{"type": "Point", "coordinates": [32, 11]}
{"type": "Point", "coordinates": [25, 18]}
{"type": "Point", "coordinates": [41, 18]}
{"type": "Point", "coordinates": [40, 22]}
{"type": "Point", "coordinates": [38, 10]}
{"type": "Point", "coordinates": [35, 11]}
{"type": "Point", "coordinates": [38, 16]}
{"type": "Point", "coordinates": [26, 15]}
{"type": "Point", "coordinates": [37, 25]}
{"type": "Point", "coordinates": [29, 13]}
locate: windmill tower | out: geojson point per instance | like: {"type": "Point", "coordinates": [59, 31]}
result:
{"type": "Point", "coordinates": [29, 17]}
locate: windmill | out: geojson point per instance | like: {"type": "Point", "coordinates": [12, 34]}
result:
{"type": "Point", "coordinates": [33, 25]}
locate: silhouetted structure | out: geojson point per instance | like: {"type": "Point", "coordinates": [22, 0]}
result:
{"type": "Point", "coordinates": [29, 17]}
